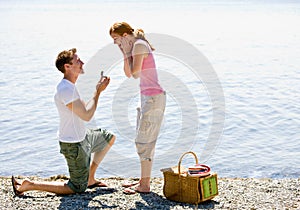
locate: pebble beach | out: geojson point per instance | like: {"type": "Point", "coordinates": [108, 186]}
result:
{"type": "Point", "coordinates": [234, 193]}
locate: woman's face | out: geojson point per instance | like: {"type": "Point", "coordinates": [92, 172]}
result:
{"type": "Point", "coordinates": [123, 42]}
{"type": "Point", "coordinates": [117, 38]}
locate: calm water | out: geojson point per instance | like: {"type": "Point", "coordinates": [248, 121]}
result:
{"type": "Point", "coordinates": [253, 47]}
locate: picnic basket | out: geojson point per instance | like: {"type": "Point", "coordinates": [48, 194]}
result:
{"type": "Point", "coordinates": [180, 186]}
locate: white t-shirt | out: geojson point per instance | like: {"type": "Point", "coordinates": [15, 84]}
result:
{"type": "Point", "coordinates": [71, 127]}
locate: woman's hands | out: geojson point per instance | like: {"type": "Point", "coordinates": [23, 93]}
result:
{"type": "Point", "coordinates": [125, 46]}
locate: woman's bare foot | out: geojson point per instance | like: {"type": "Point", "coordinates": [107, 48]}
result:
{"type": "Point", "coordinates": [143, 189]}
{"type": "Point", "coordinates": [138, 189]}
{"type": "Point", "coordinates": [94, 183]}
{"type": "Point", "coordinates": [130, 184]}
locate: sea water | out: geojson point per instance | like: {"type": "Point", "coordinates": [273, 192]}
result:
{"type": "Point", "coordinates": [253, 48]}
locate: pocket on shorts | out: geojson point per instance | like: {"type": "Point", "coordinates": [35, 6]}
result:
{"type": "Point", "coordinates": [70, 151]}
{"type": "Point", "coordinates": [146, 126]}
{"type": "Point", "coordinates": [149, 129]}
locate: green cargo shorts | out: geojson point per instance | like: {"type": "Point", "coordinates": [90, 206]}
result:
{"type": "Point", "coordinates": [78, 156]}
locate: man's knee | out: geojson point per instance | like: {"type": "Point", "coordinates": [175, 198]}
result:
{"type": "Point", "coordinates": [112, 140]}
{"type": "Point", "coordinates": [77, 188]}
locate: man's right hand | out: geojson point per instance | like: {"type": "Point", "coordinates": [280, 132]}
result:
{"type": "Point", "coordinates": [102, 84]}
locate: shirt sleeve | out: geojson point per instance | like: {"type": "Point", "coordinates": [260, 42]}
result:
{"type": "Point", "coordinates": [69, 94]}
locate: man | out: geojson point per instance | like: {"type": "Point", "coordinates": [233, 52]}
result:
{"type": "Point", "coordinates": [76, 142]}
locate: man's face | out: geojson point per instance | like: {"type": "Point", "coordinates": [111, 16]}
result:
{"type": "Point", "coordinates": [77, 65]}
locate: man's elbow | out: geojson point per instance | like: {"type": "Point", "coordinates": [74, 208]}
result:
{"type": "Point", "coordinates": [87, 118]}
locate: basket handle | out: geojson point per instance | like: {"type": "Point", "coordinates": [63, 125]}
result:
{"type": "Point", "coordinates": [179, 163]}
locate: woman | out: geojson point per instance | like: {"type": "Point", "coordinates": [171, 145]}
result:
{"type": "Point", "coordinates": [139, 63]}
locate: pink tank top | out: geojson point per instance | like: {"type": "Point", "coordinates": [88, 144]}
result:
{"type": "Point", "coordinates": [148, 76]}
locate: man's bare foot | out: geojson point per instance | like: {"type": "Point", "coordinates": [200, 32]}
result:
{"type": "Point", "coordinates": [18, 188]}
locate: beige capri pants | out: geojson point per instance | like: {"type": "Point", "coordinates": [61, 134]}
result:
{"type": "Point", "coordinates": [149, 119]}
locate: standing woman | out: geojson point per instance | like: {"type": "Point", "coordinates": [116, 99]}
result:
{"type": "Point", "coordinates": [139, 63]}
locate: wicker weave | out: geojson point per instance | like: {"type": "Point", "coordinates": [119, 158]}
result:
{"type": "Point", "coordinates": [180, 187]}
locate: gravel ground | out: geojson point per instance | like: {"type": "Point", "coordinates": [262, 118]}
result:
{"type": "Point", "coordinates": [234, 193]}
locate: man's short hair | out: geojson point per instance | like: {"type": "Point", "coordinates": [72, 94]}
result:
{"type": "Point", "coordinates": [64, 57]}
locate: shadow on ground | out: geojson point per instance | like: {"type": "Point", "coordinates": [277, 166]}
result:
{"type": "Point", "coordinates": [86, 200]}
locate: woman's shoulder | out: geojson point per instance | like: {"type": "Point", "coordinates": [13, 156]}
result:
{"type": "Point", "coordinates": [140, 41]}
{"type": "Point", "coordinates": [141, 45]}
